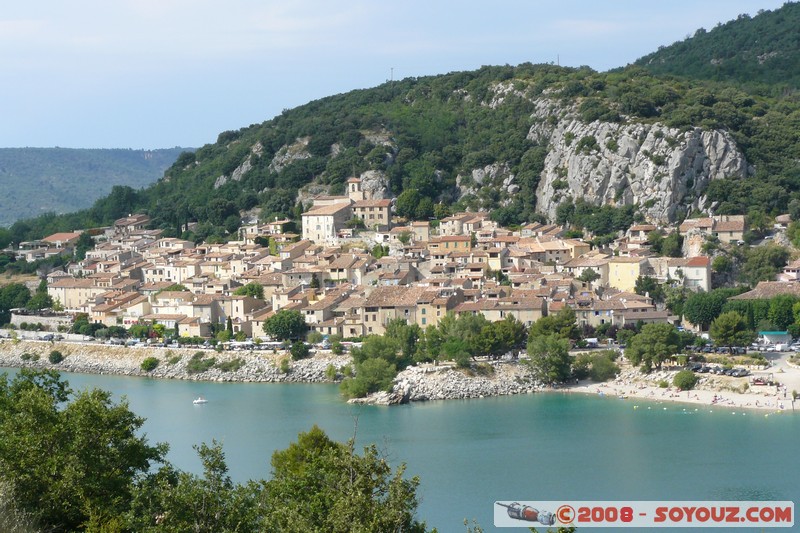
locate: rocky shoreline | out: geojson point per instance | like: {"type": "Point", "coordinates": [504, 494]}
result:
{"type": "Point", "coordinates": [414, 384]}
{"type": "Point", "coordinates": [258, 367]}
{"type": "Point", "coordinates": [445, 382]}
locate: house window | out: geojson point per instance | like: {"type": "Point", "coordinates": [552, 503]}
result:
{"type": "Point", "coordinates": [423, 311]}
{"type": "Point", "coordinates": [424, 320]}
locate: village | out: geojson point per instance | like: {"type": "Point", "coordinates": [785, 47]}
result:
{"type": "Point", "coordinates": [332, 275]}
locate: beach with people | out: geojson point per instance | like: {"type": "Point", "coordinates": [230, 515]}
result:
{"type": "Point", "coordinates": [711, 391]}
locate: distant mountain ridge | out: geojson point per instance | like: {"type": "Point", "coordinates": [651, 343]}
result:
{"type": "Point", "coordinates": [61, 180]}
{"type": "Point", "coordinates": [764, 49]}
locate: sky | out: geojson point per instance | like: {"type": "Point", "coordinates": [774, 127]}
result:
{"type": "Point", "coordinates": [164, 73]}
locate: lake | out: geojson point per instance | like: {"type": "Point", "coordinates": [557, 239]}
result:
{"type": "Point", "coordinates": [470, 453]}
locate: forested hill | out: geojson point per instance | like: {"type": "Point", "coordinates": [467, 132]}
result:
{"type": "Point", "coordinates": [764, 49]}
{"type": "Point", "coordinates": [38, 180]}
{"type": "Point", "coordinates": [524, 142]}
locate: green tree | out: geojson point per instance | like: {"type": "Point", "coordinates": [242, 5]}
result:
{"type": "Point", "coordinates": [781, 311]}
{"type": "Point", "coordinates": [730, 329]}
{"type": "Point", "coordinates": [12, 296]}
{"type": "Point", "coordinates": [589, 275]}
{"type": "Point", "coordinates": [285, 325]}
{"type": "Point", "coordinates": [379, 251]}
{"type": "Point", "coordinates": [84, 244]}
{"type": "Point", "coordinates": [721, 264]}
{"type": "Point", "coordinates": [653, 345]}
{"type": "Point", "coordinates": [70, 456]}
{"type": "Point", "coordinates": [381, 347]}
{"type": "Point", "coordinates": [562, 324]}
{"type": "Point", "coordinates": [314, 284]}
{"type": "Point", "coordinates": [39, 301]}
{"type": "Point", "coordinates": [321, 485]}
{"type": "Point", "coordinates": [701, 308]}
{"type": "Point", "coordinates": [299, 351]}
{"type": "Point", "coordinates": [646, 285]}
{"type": "Point", "coordinates": [763, 263]}
{"type": "Point", "coordinates": [672, 245]}
{"type": "Point", "coordinates": [503, 336]}
{"type": "Point", "coordinates": [372, 375]}
{"type": "Point", "coordinates": [171, 500]}
{"type": "Point", "coordinates": [549, 358]}
{"type": "Point", "coordinates": [406, 336]}
{"type": "Point", "coordinates": [253, 289]}
{"type": "Point", "coordinates": [407, 202]}
{"type": "Point", "coordinates": [602, 367]}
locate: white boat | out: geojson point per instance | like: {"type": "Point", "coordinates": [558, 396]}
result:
{"type": "Point", "coordinates": [199, 400]}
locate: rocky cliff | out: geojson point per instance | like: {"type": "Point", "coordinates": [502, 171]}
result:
{"type": "Point", "coordinates": [661, 169]}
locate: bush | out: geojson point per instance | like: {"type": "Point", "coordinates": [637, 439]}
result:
{"type": "Point", "coordinates": [26, 356]}
{"type": "Point", "coordinates": [231, 366]}
{"type": "Point", "coordinates": [663, 384]}
{"type": "Point", "coordinates": [580, 366]}
{"type": "Point", "coordinates": [685, 380]}
{"type": "Point", "coordinates": [371, 376]}
{"type": "Point", "coordinates": [174, 359]}
{"type": "Point", "coordinates": [299, 351]}
{"type": "Point", "coordinates": [149, 364]}
{"type": "Point", "coordinates": [603, 368]}
{"type": "Point", "coordinates": [55, 357]}
{"type": "Point", "coordinates": [199, 363]}
{"type": "Point", "coordinates": [284, 366]}
{"type": "Point", "coordinates": [330, 372]}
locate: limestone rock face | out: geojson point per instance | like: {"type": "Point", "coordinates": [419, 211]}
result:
{"type": "Point", "coordinates": [495, 175]}
{"type": "Point", "coordinates": [290, 153]}
{"type": "Point", "coordinates": [375, 184]}
{"type": "Point", "coordinates": [657, 167]}
{"type": "Point", "coordinates": [255, 150]}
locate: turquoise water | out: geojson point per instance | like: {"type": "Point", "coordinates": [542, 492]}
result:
{"type": "Point", "coordinates": [471, 453]}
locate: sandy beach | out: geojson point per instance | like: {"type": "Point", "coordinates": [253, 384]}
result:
{"type": "Point", "coordinates": [711, 392]}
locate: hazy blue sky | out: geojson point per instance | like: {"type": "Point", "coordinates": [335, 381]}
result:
{"type": "Point", "coordinates": [164, 73]}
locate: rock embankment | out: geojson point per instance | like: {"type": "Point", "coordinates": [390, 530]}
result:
{"type": "Point", "coordinates": [422, 383]}
{"type": "Point", "coordinates": [253, 366]}
{"type": "Point", "coordinates": [414, 384]}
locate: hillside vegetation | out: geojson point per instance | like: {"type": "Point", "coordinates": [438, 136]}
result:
{"type": "Point", "coordinates": [61, 180]}
{"type": "Point", "coordinates": [757, 51]}
{"type": "Point", "coordinates": [423, 139]}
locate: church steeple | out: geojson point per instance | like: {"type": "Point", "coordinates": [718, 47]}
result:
{"type": "Point", "coordinates": [354, 189]}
